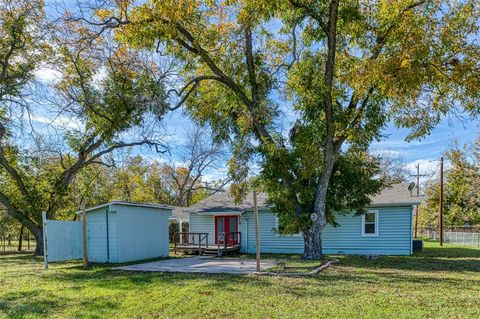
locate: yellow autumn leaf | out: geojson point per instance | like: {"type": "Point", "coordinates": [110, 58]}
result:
{"type": "Point", "coordinates": [405, 63]}
{"type": "Point", "coordinates": [103, 13]}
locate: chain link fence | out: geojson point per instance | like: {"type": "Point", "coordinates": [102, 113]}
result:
{"type": "Point", "coordinates": [10, 243]}
{"type": "Point", "coordinates": [459, 236]}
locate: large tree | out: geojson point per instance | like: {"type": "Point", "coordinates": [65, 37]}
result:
{"type": "Point", "coordinates": [461, 196]}
{"type": "Point", "coordinates": [392, 167]}
{"type": "Point", "coordinates": [102, 91]}
{"type": "Point", "coordinates": [190, 172]}
{"type": "Point", "coordinates": [345, 66]}
{"type": "Point", "coordinates": [181, 182]}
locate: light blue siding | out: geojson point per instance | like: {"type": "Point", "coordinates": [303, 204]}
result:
{"type": "Point", "coordinates": [270, 242]}
{"type": "Point", "coordinates": [134, 233]}
{"type": "Point", "coordinates": [142, 232]}
{"type": "Point", "coordinates": [112, 236]}
{"type": "Point", "coordinates": [64, 240]}
{"type": "Point", "coordinates": [394, 233]}
{"type": "Point", "coordinates": [203, 224]}
{"type": "Point", "coordinates": [97, 235]}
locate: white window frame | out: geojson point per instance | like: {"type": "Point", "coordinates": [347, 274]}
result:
{"type": "Point", "coordinates": [376, 224]}
{"type": "Point", "coordinates": [299, 234]}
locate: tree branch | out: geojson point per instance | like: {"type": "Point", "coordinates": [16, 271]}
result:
{"type": "Point", "coordinates": [13, 173]}
{"type": "Point", "coordinates": [15, 213]}
{"type": "Point", "coordinates": [194, 83]}
{"type": "Point", "coordinates": [251, 64]}
{"type": "Point", "coordinates": [310, 12]}
{"type": "Point", "coordinates": [376, 51]}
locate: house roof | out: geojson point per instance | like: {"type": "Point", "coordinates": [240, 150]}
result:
{"type": "Point", "coordinates": [179, 213]}
{"type": "Point", "coordinates": [394, 195]}
{"type": "Point", "coordinates": [225, 203]}
{"type": "Point", "coordinates": [124, 203]}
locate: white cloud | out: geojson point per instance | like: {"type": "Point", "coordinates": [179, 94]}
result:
{"type": "Point", "coordinates": [427, 166]}
{"type": "Point", "coordinates": [387, 151]}
{"type": "Point", "coordinates": [58, 121]}
{"type": "Point", "coordinates": [215, 176]}
{"type": "Point", "coordinates": [47, 75]}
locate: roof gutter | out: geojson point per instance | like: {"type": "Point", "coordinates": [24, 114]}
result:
{"type": "Point", "coordinates": [404, 204]}
{"type": "Point", "coordinates": [157, 206]}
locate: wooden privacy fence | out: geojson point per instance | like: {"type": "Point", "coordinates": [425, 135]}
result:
{"type": "Point", "coordinates": [62, 240]}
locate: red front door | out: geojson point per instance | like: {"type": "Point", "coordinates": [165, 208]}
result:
{"type": "Point", "coordinates": [226, 225]}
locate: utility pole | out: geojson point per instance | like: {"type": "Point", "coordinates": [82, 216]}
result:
{"type": "Point", "coordinates": [441, 202]}
{"type": "Point", "coordinates": [418, 175]}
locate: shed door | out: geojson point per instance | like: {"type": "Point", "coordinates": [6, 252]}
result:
{"type": "Point", "coordinates": [97, 237]}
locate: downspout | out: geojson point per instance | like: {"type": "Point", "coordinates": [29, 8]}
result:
{"type": "Point", "coordinates": [246, 235]}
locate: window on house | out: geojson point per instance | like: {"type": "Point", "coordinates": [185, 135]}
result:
{"type": "Point", "coordinates": [370, 224]}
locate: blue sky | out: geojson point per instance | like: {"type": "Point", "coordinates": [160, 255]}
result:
{"type": "Point", "coordinates": [428, 150]}
{"type": "Point", "coordinates": [423, 152]}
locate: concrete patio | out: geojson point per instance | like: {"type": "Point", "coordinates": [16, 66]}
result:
{"type": "Point", "coordinates": [200, 264]}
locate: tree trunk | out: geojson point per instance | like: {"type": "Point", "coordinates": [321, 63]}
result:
{"type": "Point", "coordinates": [313, 237]}
{"type": "Point", "coordinates": [38, 234]}
{"type": "Point", "coordinates": [20, 239]}
{"type": "Point", "coordinates": [35, 229]}
{"type": "Point", "coordinates": [312, 241]}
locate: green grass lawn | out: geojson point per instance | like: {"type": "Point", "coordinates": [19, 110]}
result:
{"type": "Point", "coordinates": [438, 283]}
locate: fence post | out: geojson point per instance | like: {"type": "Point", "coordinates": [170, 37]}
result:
{"type": "Point", "coordinates": [45, 252]}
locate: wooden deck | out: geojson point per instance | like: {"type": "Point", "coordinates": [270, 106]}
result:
{"type": "Point", "coordinates": [197, 243]}
{"type": "Point", "coordinates": [220, 251]}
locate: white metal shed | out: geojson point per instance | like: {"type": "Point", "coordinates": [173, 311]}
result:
{"type": "Point", "coordinates": [122, 231]}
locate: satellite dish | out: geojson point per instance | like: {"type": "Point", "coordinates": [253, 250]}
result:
{"type": "Point", "coordinates": [411, 186]}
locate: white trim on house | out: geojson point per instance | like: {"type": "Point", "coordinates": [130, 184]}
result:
{"type": "Point", "coordinates": [376, 224]}
{"type": "Point", "coordinates": [279, 235]}
{"type": "Point", "coordinates": [148, 205]}
{"type": "Point", "coordinates": [218, 213]}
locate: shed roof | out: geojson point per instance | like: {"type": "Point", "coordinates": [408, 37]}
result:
{"type": "Point", "coordinates": [124, 203]}
{"type": "Point", "coordinates": [394, 195]}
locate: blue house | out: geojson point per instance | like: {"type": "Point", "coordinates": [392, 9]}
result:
{"type": "Point", "coordinates": [217, 223]}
